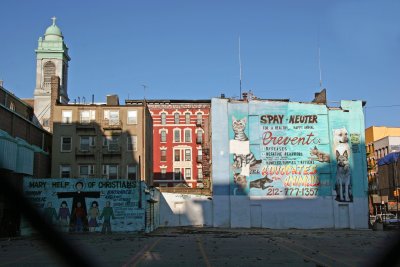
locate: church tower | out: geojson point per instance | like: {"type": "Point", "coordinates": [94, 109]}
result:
{"type": "Point", "coordinates": [51, 59]}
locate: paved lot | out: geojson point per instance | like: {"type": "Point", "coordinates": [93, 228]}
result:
{"type": "Point", "coordinates": [210, 247]}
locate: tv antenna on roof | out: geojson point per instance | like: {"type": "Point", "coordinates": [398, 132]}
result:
{"type": "Point", "coordinates": [144, 90]}
{"type": "Point", "coordinates": [240, 73]}
{"type": "Point", "coordinates": [319, 59]}
{"type": "Point", "coordinates": [319, 66]}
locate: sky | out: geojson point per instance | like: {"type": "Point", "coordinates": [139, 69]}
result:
{"type": "Point", "coordinates": [190, 49]}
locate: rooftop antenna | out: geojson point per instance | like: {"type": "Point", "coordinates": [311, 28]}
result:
{"type": "Point", "coordinates": [319, 59]}
{"type": "Point", "coordinates": [144, 91]}
{"type": "Point", "coordinates": [319, 66]}
{"type": "Point", "coordinates": [240, 73]}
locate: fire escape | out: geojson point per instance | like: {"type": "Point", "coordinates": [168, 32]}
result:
{"type": "Point", "coordinates": [206, 152]}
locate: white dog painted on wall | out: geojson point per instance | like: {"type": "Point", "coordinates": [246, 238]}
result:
{"type": "Point", "coordinates": [341, 141]}
{"type": "Point", "coordinates": [341, 149]}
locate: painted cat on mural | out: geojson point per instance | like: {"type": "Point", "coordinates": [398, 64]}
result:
{"type": "Point", "coordinates": [321, 156]}
{"type": "Point", "coordinates": [241, 181]}
{"type": "Point", "coordinates": [238, 127]}
{"type": "Point", "coordinates": [343, 176]}
{"type": "Point", "coordinates": [240, 160]}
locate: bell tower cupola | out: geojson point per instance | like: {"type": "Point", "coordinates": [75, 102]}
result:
{"type": "Point", "coordinates": [51, 59]}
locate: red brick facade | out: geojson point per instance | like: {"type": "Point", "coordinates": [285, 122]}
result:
{"type": "Point", "coordinates": [181, 138]}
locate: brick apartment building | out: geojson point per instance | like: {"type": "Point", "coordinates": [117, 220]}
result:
{"type": "Point", "coordinates": [181, 139]}
{"type": "Point", "coordinates": [24, 151]}
{"type": "Point", "coordinates": [102, 140]}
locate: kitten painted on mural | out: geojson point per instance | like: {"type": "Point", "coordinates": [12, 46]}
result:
{"type": "Point", "coordinates": [321, 156]}
{"type": "Point", "coordinates": [238, 127]}
{"type": "Point", "coordinates": [343, 176]}
{"type": "Point", "coordinates": [240, 180]}
{"type": "Point", "coordinates": [240, 160]}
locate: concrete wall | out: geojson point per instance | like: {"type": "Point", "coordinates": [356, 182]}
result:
{"type": "Point", "coordinates": [185, 210]}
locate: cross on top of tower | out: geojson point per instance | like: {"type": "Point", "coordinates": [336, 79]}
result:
{"type": "Point", "coordinates": [54, 20]}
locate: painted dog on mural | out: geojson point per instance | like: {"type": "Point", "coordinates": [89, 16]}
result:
{"type": "Point", "coordinates": [343, 175]}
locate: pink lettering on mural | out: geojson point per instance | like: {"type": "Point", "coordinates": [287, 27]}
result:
{"type": "Point", "coordinates": [269, 138]}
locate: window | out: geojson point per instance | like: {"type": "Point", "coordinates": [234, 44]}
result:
{"type": "Point", "coordinates": [163, 155]}
{"type": "Point", "coordinates": [163, 136]}
{"type": "Point", "coordinates": [188, 173]}
{"type": "Point", "coordinates": [12, 106]}
{"type": "Point", "coordinates": [163, 118]}
{"type": "Point", "coordinates": [66, 144]}
{"type": "Point", "coordinates": [111, 142]}
{"type": "Point", "coordinates": [112, 116]}
{"type": "Point", "coordinates": [65, 171]}
{"type": "Point", "coordinates": [187, 118]}
{"type": "Point", "coordinates": [188, 155]}
{"type": "Point", "coordinates": [177, 135]}
{"type": "Point", "coordinates": [199, 173]}
{"type": "Point", "coordinates": [67, 116]}
{"type": "Point", "coordinates": [199, 155]}
{"type": "Point", "coordinates": [188, 136]}
{"type": "Point", "coordinates": [163, 172]}
{"type": "Point", "coordinates": [131, 172]}
{"type": "Point", "coordinates": [177, 155]}
{"type": "Point", "coordinates": [49, 69]}
{"type": "Point", "coordinates": [132, 116]}
{"type": "Point", "coordinates": [199, 118]}
{"type": "Point", "coordinates": [110, 171]}
{"type": "Point", "coordinates": [177, 174]}
{"type": "Point", "coordinates": [87, 116]}
{"type": "Point", "coordinates": [132, 143]}
{"type": "Point", "coordinates": [176, 118]}
{"type": "Point", "coordinates": [86, 170]}
{"type": "Point", "coordinates": [86, 142]}
{"type": "Point", "coordinates": [199, 138]}
{"type": "Point", "coordinates": [46, 122]}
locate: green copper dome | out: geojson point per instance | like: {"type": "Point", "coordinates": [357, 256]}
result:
{"type": "Point", "coordinates": [53, 32]}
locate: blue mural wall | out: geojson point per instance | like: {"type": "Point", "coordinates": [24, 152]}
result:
{"type": "Point", "coordinates": [296, 150]}
{"type": "Point", "coordinates": [80, 205]}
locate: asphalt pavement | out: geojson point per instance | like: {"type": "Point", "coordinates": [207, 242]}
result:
{"type": "Point", "coordinates": [188, 246]}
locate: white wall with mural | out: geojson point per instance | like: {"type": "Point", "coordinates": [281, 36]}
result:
{"type": "Point", "coordinates": [94, 205]}
{"type": "Point", "coordinates": [289, 164]}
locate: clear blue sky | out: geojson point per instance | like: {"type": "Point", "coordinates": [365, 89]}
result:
{"type": "Point", "coordinates": [189, 49]}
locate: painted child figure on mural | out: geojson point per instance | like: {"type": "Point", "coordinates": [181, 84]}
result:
{"type": "Point", "coordinates": [92, 216]}
{"type": "Point", "coordinates": [79, 215]}
{"type": "Point", "coordinates": [107, 214]}
{"type": "Point", "coordinates": [78, 196]}
{"type": "Point", "coordinates": [64, 216]}
{"type": "Point", "coordinates": [50, 213]}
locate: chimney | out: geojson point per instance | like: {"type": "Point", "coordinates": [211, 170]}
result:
{"type": "Point", "coordinates": [1, 83]}
{"type": "Point", "coordinates": [54, 98]}
{"type": "Point", "coordinates": [320, 98]}
{"type": "Point", "coordinates": [244, 96]}
{"type": "Point", "coordinates": [112, 100]}
{"type": "Point", "coordinates": [222, 95]}
{"type": "Point", "coordinates": [55, 89]}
